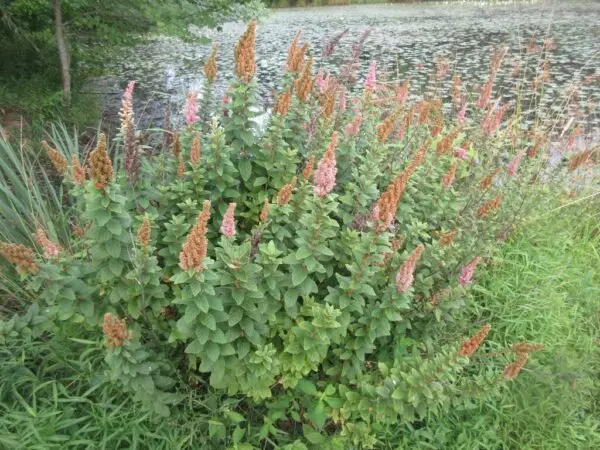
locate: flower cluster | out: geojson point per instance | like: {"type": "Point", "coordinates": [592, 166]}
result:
{"type": "Point", "coordinates": [194, 249]}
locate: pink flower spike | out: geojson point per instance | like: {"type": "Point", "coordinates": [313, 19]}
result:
{"type": "Point", "coordinates": [228, 225]}
{"type": "Point", "coordinates": [353, 127]}
{"type": "Point", "coordinates": [513, 166]}
{"type": "Point", "coordinates": [405, 276]}
{"type": "Point", "coordinates": [371, 76]}
{"type": "Point", "coordinates": [466, 273]}
{"type": "Point", "coordinates": [343, 100]}
{"type": "Point", "coordinates": [324, 178]}
{"type": "Point", "coordinates": [462, 113]}
{"type": "Point", "coordinates": [191, 108]}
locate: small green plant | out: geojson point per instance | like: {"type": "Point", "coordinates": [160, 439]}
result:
{"type": "Point", "coordinates": [303, 269]}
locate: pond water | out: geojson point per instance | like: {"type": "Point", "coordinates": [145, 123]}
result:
{"type": "Point", "coordinates": [406, 40]}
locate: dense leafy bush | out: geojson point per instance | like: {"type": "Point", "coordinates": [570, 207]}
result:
{"type": "Point", "coordinates": [307, 268]}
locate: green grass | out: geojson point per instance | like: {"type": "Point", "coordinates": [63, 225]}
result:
{"type": "Point", "coordinates": [545, 287]}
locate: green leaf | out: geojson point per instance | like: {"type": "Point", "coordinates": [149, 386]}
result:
{"type": "Point", "coordinates": [312, 436]}
{"type": "Point", "coordinates": [212, 351]}
{"type": "Point", "coordinates": [260, 181]}
{"type": "Point", "coordinates": [116, 267]}
{"type": "Point", "coordinates": [202, 334]}
{"type": "Point", "coordinates": [238, 434]}
{"type": "Point", "coordinates": [114, 226]}
{"type": "Point", "coordinates": [245, 168]}
{"type": "Point", "coordinates": [318, 415]}
{"type": "Point", "coordinates": [113, 248]}
{"type": "Point", "coordinates": [299, 274]}
{"type": "Point", "coordinates": [307, 386]}
{"type": "Point", "coordinates": [195, 347]}
{"type": "Point", "coordinates": [208, 321]}
{"type": "Point", "coordinates": [235, 417]}
{"type": "Point", "coordinates": [235, 315]}
{"type": "Point", "coordinates": [216, 429]}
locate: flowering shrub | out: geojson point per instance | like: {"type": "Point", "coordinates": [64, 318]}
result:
{"type": "Point", "coordinates": [304, 268]}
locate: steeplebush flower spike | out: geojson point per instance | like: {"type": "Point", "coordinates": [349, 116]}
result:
{"type": "Point", "coordinates": [144, 233]}
{"type": "Point", "coordinates": [101, 165]}
{"type": "Point", "coordinates": [332, 44]}
{"type": "Point", "coordinates": [324, 179]}
{"type": "Point", "coordinates": [23, 258]}
{"type": "Point", "coordinates": [447, 238]}
{"type": "Point", "coordinates": [488, 207]}
{"type": "Point", "coordinates": [303, 86]}
{"type": "Point", "coordinates": [308, 169]}
{"type": "Point", "coordinates": [191, 108]}
{"type": "Point", "coordinates": [77, 172]}
{"type": "Point", "coordinates": [176, 147]}
{"type": "Point", "coordinates": [466, 273]}
{"type": "Point", "coordinates": [264, 212]}
{"type": "Point", "coordinates": [196, 151]}
{"type": "Point", "coordinates": [525, 347]}
{"type": "Point", "coordinates": [513, 166]}
{"type": "Point", "coordinates": [445, 144]}
{"type": "Point", "coordinates": [385, 128]}
{"type": "Point", "coordinates": [328, 103]}
{"type": "Point", "coordinates": [194, 249]}
{"type": "Point", "coordinates": [580, 159]}
{"type": "Point", "coordinates": [58, 161]}
{"type": "Point", "coordinates": [470, 346]}
{"type": "Point", "coordinates": [450, 175]}
{"type": "Point", "coordinates": [180, 167]}
{"type": "Point", "coordinates": [132, 157]}
{"type": "Point", "coordinates": [435, 298]}
{"type": "Point", "coordinates": [210, 68]}
{"type": "Point", "coordinates": [353, 127]}
{"type": "Point", "coordinates": [51, 249]}
{"type": "Point", "coordinates": [245, 64]}
{"type": "Point", "coordinates": [512, 370]}
{"type": "Point", "coordinates": [487, 181]}
{"type": "Point", "coordinates": [228, 225]}
{"type": "Point", "coordinates": [405, 276]}
{"type": "Point", "coordinates": [285, 193]}
{"type": "Point", "coordinates": [282, 105]}
{"type": "Point", "coordinates": [295, 56]}
{"type": "Point", "coordinates": [115, 331]}
{"type": "Point", "coordinates": [371, 76]}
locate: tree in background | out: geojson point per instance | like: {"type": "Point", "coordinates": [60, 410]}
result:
{"type": "Point", "coordinates": [35, 32]}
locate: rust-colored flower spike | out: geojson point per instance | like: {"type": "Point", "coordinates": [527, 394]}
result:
{"type": "Point", "coordinates": [304, 84]}
{"type": "Point", "coordinates": [295, 56]}
{"type": "Point", "coordinates": [176, 147]}
{"type": "Point", "coordinates": [285, 193]}
{"type": "Point", "coordinates": [424, 111]}
{"type": "Point", "coordinates": [470, 346]}
{"type": "Point", "coordinates": [328, 103]}
{"type": "Point", "coordinates": [447, 238]}
{"type": "Point", "coordinates": [282, 105]}
{"type": "Point", "coordinates": [525, 347]}
{"type": "Point", "coordinates": [210, 68]}
{"type": "Point", "coordinates": [144, 232]}
{"type": "Point", "coordinates": [195, 153]}
{"type": "Point", "coordinates": [180, 167]}
{"type": "Point", "coordinates": [445, 144]}
{"type": "Point", "coordinates": [450, 175]}
{"type": "Point", "coordinates": [20, 256]}
{"type": "Point", "coordinates": [437, 296]}
{"type": "Point", "coordinates": [245, 64]}
{"type": "Point", "coordinates": [486, 183]}
{"type": "Point", "coordinates": [308, 169]}
{"type": "Point", "coordinates": [51, 249]}
{"type": "Point", "coordinates": [130, 150]}
{"type": "Point", "coordinates": [419, 157]}
{"type": "Point", "coordinates": [264, 212]}
{"type": "Point", "coordinates": [385, 128]}
{"type": "Point", "coordinates": [194, 249]}
{"type": "Point", "coordinates": [579, 160]}
{"type": "Point", "coordinates": [512, 370]}
{"type": "Point", "coordinates": [115, 331]}
{"type": "Point", "coordinates": [489, 206]}
{"type": "Point", "coordinates": [77, 172]}
{"type": "Point", "coordinates": [101, 165]}
{"type": "Point", "coordinates": [58, 161]}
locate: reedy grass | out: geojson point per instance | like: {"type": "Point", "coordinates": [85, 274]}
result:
{"type": "Point", "coordinates": [544, 287]}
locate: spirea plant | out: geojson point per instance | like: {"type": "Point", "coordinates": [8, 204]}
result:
{"type": "Point", "coordinates": [305, 269]}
